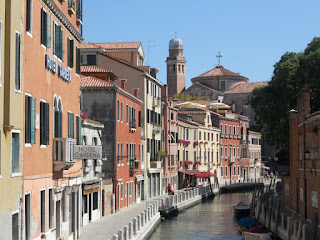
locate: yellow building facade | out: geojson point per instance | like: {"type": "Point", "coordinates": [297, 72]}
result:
{"type": "Point", "coordinates": [11, 121]}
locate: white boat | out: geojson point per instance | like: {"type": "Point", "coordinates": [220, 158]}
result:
{"type": "Point", "coordinates": [256, 236]}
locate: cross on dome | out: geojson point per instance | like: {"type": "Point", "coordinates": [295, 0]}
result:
{"type": "Point", "coordinates": [219, 56]}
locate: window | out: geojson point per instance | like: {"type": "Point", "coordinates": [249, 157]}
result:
{"type": "Point", "coordinates": [91, 60]}
{"type": "Point", "coordinates": [199, 135]}
{"type": "Point", "coordinates": [78, 60]}
{"type": "Point", "coordinates": [225, 129]}
{"type": "Point", "coordinates": [238, 170]}
{"type": "Point", "coordinates": [57, 118]}
{"type": "Point", "coordinates": [221, 128]}
{"type": "Point", "coordinates": [15, 155]}
{"type": "Point", "coordinates": [121, 111]}
{"type": "Point", "coordinates": [222, 85]}
{"type": "Point", "coordinates": [29, 16]}
{"type": "Point", "coordinates": [44, 123]}
{"type": "Point", "coordinates": [78, 119]}
{"type": "Point", "coordinates": [64, 206]}
{"type": "Point", "coordinates": [27, 215]}
{"type": "Point", "coordinates": [45, 29]}
{"type": "Point", "coordinates": [70, 125]}
{"type": "Point", "coordinates": [234, 130]}
{"type": "Point", "coordinates": [187, 134]}
{"type": "Point", "coordinates": [187, 155]}
{"type": "Point", "coordinates": [18, 62]}
{"type": "Point", "coordinates": [221, 171]}
{"type": "Point", "coordinates": [51, 203]}
{"type": "Point", "coordinates": [139, 118]}
{"type": "Point", "coordinates": [58, 41]}
{"type": "Point", "coordinates": [234, 170]}
{"type": "Point", "coordinates": [95, 200]}
{"type": "Point", "coordinates": [118, 108]}
{"type": "Point", "coordinates": [121, 153]}
{"type": "Point", "coordinates": [43, 211]}
{"type": "Point", "coordinates": [147, 81]}
{"type": "Point", "coordinates": [226, 171]}
{"type": "Point", "coordinates": [70, 52]}
{"type": "Point", "coordinates": [121, 190]}
{"type": "Point", "coordinates": [127, 113]}
{"type": "Point", "coordinates": [79, 10]}
{"type": "Point", "coordinates": [30, 119]}
{"type": "Point", "coordinates": [226, 152]}
{"type": "Point", "coordinates": [118, 153]}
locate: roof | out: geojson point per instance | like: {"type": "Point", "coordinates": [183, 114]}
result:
{"type": "Point", "coordinates": [247, 87]}
{"type": "Point", "coordinates": [94, 69]}
{"type": "Point", "coordinates": [220, 71]}
{"type": "Point", "coordinates": [122, 61]}
{"type": "Point", "coordinates": [88, 45]}
{"type": "Point", "coordinates": [200, 102]}
{"type": "Point", "coordinates": [119, 45]}
{"type": "Point", "coordinates": [193, 111]}
{"type": "Point", "coordinates": [111, 45]}
{"type": "Point", "coordinates": [89, 81]}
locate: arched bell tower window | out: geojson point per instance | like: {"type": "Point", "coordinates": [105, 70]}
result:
{"type": "Point", "coordinates": [179, 68]}
{"type": "Point", "coordinates": [182, 68]}
{"type": "Point", "coordinates": [174, 68]}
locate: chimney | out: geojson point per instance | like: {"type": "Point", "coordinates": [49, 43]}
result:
{"type": "Point", "coordinates": [164, 92]}
{"type": "Point", "coordinates": [304, 103]}
{"type": "Point", "coordinates": [136, 92]}
{"type": "Point", "coordinates": [123, 84]}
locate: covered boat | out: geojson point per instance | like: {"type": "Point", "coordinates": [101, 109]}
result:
{"type": "Point", "coordinates": [247, 223]}
{"type": "Point", "coordinates": [241, 210]}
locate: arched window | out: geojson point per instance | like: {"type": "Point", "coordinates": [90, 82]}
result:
{"type": "Point", "coordinates": [182, 68]}
{"type": "Point", "coordinates": [179, 68]}
{"type": "Point", "coordinates": [174, 68]}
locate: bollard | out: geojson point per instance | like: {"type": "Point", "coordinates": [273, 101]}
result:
{"type": "Point", "coordinates": [130, 230]}
{"type": "Point", "coordinates": [126, 232]}
{"type": "Point", "coordinates": [135, 226]}
{"type": "Point", "coordinates": [115, 237]}
{"type": "Point", "coordinates": [142, 219]}
{"type": "Point", "coordinates": [138, 226]}
{"type": "Point", "coordinates": [120, 235]}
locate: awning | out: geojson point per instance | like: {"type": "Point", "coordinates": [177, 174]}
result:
{"type": "Point", "coordinates": [265, 167]}
{"type": "Point", "coordinates": [87, 189]}
{"type": "Point", "coordinates": [191, 172]}
{"type": "Point", "coordinates": [205, 175]}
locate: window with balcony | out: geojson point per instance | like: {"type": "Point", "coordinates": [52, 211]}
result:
{"type": "Point", "coordinates": [79, 11]}
{"type": "Point", "coordinates": [30, 119]}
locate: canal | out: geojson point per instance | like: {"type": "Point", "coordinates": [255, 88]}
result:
{"type": "Point", "coordinates": [208, 220]}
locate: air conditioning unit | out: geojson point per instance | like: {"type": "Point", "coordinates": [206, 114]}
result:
{"type": "Point", "coordinates": [62, 153]}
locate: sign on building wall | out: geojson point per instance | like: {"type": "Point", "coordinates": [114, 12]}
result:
{"type": "Point", "coordinates": [50, 64]}
{"type": "Point", "coordinates": [87, 152]}
{"type": "Point", "coordinates": [64, 73]}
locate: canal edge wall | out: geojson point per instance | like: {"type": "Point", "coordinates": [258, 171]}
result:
{"type": "Point", "coordinates": [280, 220]}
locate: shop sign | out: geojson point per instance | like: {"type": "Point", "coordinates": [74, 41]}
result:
{"type": "Point", "coordinates": [87, 152]}
{"type": "Point", "coordinates": [50, 64]}
{"type": "Point", "coordinates": [87, 189]}
{"type": "Point", "coordinates": [64, 73]}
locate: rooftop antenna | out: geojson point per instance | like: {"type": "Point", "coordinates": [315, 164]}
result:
{"type": "Point", "coordinates": [219, 56]}
{"type": "Point", "coordinates": [151, 43]}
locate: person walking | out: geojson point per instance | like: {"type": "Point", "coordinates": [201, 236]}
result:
{"type": "Point", "coordinates": [169, 188]}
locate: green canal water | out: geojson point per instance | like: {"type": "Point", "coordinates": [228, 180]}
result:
{"type": "Point", "coordinates": [208, 220]}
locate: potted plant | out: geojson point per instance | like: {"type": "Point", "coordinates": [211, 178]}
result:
{"type": "Point", "coordinates": [196, 143]}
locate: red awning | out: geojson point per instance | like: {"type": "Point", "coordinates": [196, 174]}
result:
{"type": "Point", "coordinates": [205, 175]}
{"type": "Point", "coordinates": [191, 172]}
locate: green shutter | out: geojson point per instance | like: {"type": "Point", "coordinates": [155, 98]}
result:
{"type": "Point", "coordinates": [56, 123]}
{"type": "Point", "coordinates": [27, 120]}
{"type": "Point", "coordinates": [78, 60]}
{"type": "Point", "coordinates": [78, 130]}
{"type": "Point", "coordinates": [43, 25]}
{"type": "Point", "coordinates": [54, 38]}
{"type": "Point", "coordinates": [17, 70]}
{"type": "Point", "coordinates": [60, 124]}
{"type": "Point", "coordinates": [69, 127]}
{"type": "Point", "coordinates": [68, 52]}
{"type": "Point", "coordinates": [41, 123]}
{"type": "Point", "coordinates": [46, 122]}
{"type": "Point", "coordinates": [72, 124]}
{"type": "Point", "coordinates": [33, 121]}
{"type": "Point", "coordinates": [71, 53]}
{"type": "Point", "coordinates": [62, 44]}
{"type": "Point", "coordinates": [57, 39]}
{"type": "Point", "coordinates": [48, 30]}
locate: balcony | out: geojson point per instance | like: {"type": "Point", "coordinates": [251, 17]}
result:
{"type": "Point", "coordinates": [71, 7]}
{"type": "Point", "coordinates": [134, 166]}
{"type": "Point", "coordinates": [62, 153]}
{"type": "Point", "coordinates": [132, 125]}
{"type": "Point", "coordinates": [79, 17]}
{"type": "Point", "coordinates": [231, 160]}
{"type": "Point", "coordinates": [156, 102]}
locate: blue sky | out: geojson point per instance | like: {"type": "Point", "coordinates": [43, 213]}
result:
{"type": "Point", "coordinates": [251, 34]}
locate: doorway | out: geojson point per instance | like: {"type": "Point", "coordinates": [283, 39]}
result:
{"type": "Point", "coordinates": [58, 219]}
{"type": "Point", "coordinates": [90, 207]}
{"type": "Point", "coordinates": [15, 226]}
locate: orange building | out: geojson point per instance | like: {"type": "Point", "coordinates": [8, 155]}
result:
{"type": "Point", "coordinates": [51, 177]}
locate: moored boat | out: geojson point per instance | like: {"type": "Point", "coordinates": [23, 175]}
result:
{"type": "Point", "coordinates": [241, 210]}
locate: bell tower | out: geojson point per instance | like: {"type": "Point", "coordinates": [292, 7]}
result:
{"type": "Point", "coordinates": [176, 67]}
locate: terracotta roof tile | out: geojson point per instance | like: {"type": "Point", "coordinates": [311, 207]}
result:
{"type": "Point", "coordinates": [89, 81]}
{"type": "Point", "coordinates": [246, 87]}
{"type": "Point", "coordinates": [88, 45]}
{"type": "Point", "coordinates": [94, 69]}
{"type": "Point", "coordinates": [220, 71]}
{"type": "Point", "coordinates": [119, 45]}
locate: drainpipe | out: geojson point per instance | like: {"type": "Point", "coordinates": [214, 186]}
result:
{"type": "Point", "coordinates": [114, 177]}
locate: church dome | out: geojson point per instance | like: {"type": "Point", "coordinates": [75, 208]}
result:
{"type": "Point", "coordinates": [175, 43]}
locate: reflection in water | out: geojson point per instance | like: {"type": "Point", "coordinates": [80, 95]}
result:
{"type": "Point", "coordinates": [210, 220]}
